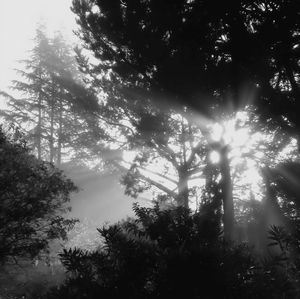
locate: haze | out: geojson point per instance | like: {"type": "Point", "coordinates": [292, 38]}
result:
{"type": "Point", "coordinates": [101, 198]}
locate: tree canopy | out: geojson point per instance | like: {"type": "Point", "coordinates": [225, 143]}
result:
{"type": "Point", "coordinates": [200, 53]}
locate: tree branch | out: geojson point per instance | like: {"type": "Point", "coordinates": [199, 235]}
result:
{"type": "Point", "coordinates": [150, 181]}
{"type": "Point", "coordinates": [155, 173]}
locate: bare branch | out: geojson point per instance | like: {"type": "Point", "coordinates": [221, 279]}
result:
{"type": "Point", "coordinates": [150, 181]}
{"type": "Point", "coordinates": [155, 173]}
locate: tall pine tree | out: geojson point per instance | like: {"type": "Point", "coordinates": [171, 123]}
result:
{"type": "Point", "coordinates": [47, 92]}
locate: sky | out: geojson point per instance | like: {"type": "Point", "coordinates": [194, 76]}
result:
{"type": "Point", "coordinates": [18, 21]}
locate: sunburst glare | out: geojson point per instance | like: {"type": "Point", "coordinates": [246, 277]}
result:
{"type": "Point", "coordinates": [238, 136]}
{"type": "Point", "coordinates": [247, 151]}
{"type": "Point", "coordinates": [214, 157]}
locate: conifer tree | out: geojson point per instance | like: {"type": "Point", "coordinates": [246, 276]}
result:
{"type": "Point", "coordinates": [44, 105]}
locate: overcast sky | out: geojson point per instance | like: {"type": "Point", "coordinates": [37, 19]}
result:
{"type": "Point", "coordinates": [18, 21]}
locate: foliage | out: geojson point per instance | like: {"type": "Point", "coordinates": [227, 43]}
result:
{"type": "Point", "coordinates": [286, 254]}
{"type": "Point", "coordinates": [34, 197]}
{"type": "Point", "coordinates": [168, 253]}
{"type": "Point", "coordinates": [83, 235]}
{"type": "Point", "coordinates": [44, 99]}
{"type": "Point", "coordinates": [200, 53]}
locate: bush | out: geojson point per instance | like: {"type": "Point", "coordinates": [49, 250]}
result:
{"type": "Point", "coordinates": [34, 197]}
{"type": "Point", "coordinates": [169, 254]}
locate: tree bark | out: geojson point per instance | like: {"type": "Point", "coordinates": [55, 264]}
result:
{"type": "Point", "coordinates": [39, 128]}
{"type": "Point", "coordinates": [183, 190]}
{"type": "Point", "coordinates": [60, 129]}
{"type": "Point", "coordinates": [51, 142]}
{"type": "Point", "coordinates": [227, 196]}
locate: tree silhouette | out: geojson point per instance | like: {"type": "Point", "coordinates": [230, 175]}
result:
{"type": "Point", "coordinates": [34, 198]}
{"type": "Point", "coordinates": [202, 55]}
{"type": "Point", "coordinates": [170, 253]}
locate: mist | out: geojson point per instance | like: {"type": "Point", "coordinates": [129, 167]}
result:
{"type": "Point", "coordinates": [101, 198]}
{"type": "Point", "coordinates": [149, 149]}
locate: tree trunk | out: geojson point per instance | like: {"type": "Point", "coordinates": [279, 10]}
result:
{"type": "Point", "coordinates": [51, 142]}
{"type": "Point", "coordinates": [183, 190]}
{"type": "Point", "coordinates": [272, 214]}
{"type": "Point", "coordinates": [227, 196]}
{"type": "Point", "coordinates": [59, 145]}
{"type": "Point", "coordinates": [39, 128]}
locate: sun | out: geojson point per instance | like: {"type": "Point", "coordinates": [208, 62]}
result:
{"type": "Point", "coordinates": [234, 131]}
{"type": "Point", "coordinates": [215, 157]}
{"type": "Point", "coordinates": [244, 153]}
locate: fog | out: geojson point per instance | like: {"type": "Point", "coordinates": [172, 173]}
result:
{"type": "Point", "coordinates": [100, 198]}
{"type": "Point", "coordinates": [149, 149]}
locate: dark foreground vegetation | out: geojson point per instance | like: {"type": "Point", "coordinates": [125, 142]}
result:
{"type": "Point", "coordinates": [175, 254]}
{"type": "Point", "coordinates": [34, 198]}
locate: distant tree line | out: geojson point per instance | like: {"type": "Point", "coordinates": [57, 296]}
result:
{"type": "Point", "coordinates": [44, 100]}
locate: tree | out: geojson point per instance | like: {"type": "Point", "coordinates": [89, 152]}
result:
{"type": "Point", "coordinates": [199, 55]}
{"type": "Point", "coordinates": [170, 148]}
{"type": "Point", "coordinates": [31, 109]}
{"type": "Point", "coordinates": [48, 89]}
{"type": "Point", "coordinates": [34, 198]}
